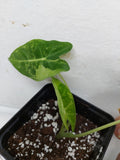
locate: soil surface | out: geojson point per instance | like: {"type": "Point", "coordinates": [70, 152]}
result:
{"type": "Point", "coordinates": [36, 139]}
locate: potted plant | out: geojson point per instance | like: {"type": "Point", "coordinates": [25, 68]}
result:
{"type": "Point", "coordinates": [54, 124]}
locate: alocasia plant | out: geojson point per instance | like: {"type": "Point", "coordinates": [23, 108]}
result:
{"type": "Point", "coordinates": [40, 59]}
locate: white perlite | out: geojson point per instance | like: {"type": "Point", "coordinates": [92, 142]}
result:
{"type": "Point", "coordinates": [49, 116]}
{"type": "Point", "coordinates": [35, 116]}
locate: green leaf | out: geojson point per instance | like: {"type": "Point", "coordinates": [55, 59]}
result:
{"type": "Point", "coordinates": [39, 59]}
{"type": "Point", "coordinates": [65, 103]}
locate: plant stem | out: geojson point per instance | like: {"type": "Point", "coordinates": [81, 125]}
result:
{"type": "Point", "coordinates": [63, 79]}
{"type": "Point", "coordinates": [62, 134]}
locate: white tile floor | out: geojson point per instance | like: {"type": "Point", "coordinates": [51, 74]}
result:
{"type": "Point", "coordinates": [5, 114]}
{"type": "Point", "coordinates": [1, 158]}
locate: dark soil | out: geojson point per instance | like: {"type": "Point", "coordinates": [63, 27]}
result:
{"type": "Point", "coordinates": [35, 140]}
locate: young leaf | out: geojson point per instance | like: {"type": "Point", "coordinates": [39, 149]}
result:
{"type": "Point", "coordinates": [39, 59]}
{"type": "Point", "coordinates": [65, 103]}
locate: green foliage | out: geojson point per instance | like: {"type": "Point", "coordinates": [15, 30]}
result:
{"type": "Point", "coordinates": [64, 133]}
{"type": "Point", "coordinates": [39, 59]}
{"type": "Point", "coordinates": [65, 103]}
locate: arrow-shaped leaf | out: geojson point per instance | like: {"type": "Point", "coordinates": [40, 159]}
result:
{"type": "Point", "coordinates": [65, 103]}
{"type": "Point", "coordinates": [39, 59]}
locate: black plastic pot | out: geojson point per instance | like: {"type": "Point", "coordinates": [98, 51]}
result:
{"type": "Point", "coordinates": [86, 109]}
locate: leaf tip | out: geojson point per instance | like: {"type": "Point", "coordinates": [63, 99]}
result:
{"type": "Point", "coordinates": [70, 45]}
{"type": "Point", "coordinates": [9, 59]}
